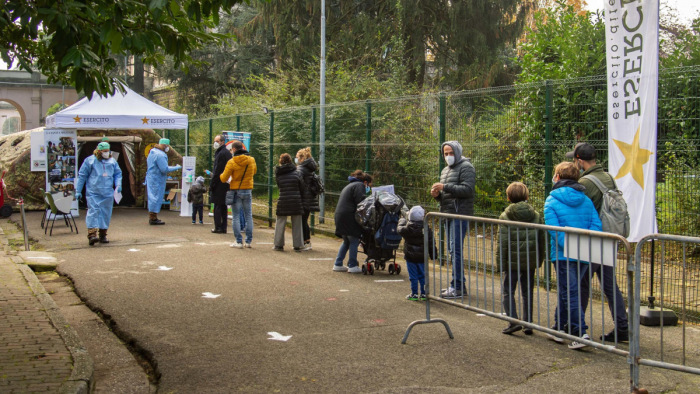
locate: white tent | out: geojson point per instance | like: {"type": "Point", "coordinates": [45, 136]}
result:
{"type": "Point", "coordinates": [119, 111]}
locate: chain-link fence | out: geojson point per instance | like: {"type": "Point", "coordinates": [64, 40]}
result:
{"type": "Point", "coordinates": [512, 133]}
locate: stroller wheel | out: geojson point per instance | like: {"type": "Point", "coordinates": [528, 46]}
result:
{"type": "Point", "coordinates": [398, 269]}
{"type": "Point", "coordinates": [364, 269]}
{"type": "Point", "coordinates": [370, 269]}
{"type": "Point", "coordinates": [391, 269]}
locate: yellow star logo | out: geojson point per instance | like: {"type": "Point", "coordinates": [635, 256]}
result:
{"type": "Point", "coordinates": [144, 120]}
{"type": "Point", "coordinates": [635, 158]}
{"type": "Point", "coordinates": [77, 119]}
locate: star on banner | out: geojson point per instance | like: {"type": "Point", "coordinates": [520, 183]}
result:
{"type": "Point", "coordinates": [144, 120]}
{"type": "Point", "coordinates": [635, 158]}
{"type": "Point", "coordinates": [77, 119]}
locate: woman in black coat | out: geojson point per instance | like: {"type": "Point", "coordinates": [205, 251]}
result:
{"type": "Point", "coordinates": [345, 224]}
{"type": "Point", "coordinates": [217, 188]}
{"type": "Point", "coordinates": [307, 166]}
{"type": "Point", "coordinates": [290, 185]}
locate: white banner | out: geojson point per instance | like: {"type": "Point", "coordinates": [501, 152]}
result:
{"type": "Point", "coordinates": [38, 151]}
{"type": "Point", "coordinates": [632, 47]}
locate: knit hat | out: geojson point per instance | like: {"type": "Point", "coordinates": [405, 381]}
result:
{"type": "Point", "coordinates": [103, 145]}
{"type": "Point", "coordinates": [164, 141]}
{"type": "Point", "coordinates": [200, 180]}
{"type": "Point", "coordinates": [416, 214]}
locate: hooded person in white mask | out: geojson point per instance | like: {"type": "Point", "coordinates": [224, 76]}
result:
{"type": "Point", "coordinates": [455, 193]}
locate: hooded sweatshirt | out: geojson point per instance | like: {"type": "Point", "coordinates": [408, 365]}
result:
{"type": "Point", "coordinates": [568, 206]}
{"type": "Point", "coordinates": [520, 249]}
{"type": "Point", "coordinates": [196, 193]}
{"type": "Point", "coordinates": [460, 183]}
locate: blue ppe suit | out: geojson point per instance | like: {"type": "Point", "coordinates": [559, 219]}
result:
{"type": "Point", "coordinates": [101, 177]}
{"type": "Point", "coordinates": [156, 175]}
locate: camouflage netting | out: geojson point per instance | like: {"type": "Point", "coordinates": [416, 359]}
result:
{"type": "Point", "coordinates": [15, 155]}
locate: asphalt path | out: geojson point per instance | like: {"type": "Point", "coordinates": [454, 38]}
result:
{"type": "Point", "coordinates": [345, 329]}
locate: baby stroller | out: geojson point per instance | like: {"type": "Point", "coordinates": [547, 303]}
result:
{"type": "Point", "coordinates": [379, 215]}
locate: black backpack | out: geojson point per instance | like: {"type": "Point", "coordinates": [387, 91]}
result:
{"type": "Point", "coordinates": [316, 184]}
{"type": "Point", "coordinates": [387, 237]}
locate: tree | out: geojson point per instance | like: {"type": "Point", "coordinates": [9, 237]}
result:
{"type": "Point", "coordinates": [71, 41]}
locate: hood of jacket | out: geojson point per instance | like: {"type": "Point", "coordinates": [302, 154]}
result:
{"type": "Point", "coordinates": [284, 169]}
{"type": "Point", "coordinates": [456, 148]}
{"type": "Point", "coordinates": [570, 193]}
{"type": "Point", "coordinates": [242, 159]}
{"type": "Point", "coordinates": [309, 163]}
{"type": "Point", "coordinates": [521, 212]}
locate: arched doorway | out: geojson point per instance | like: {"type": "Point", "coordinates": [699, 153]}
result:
{"type": "Point", "coordinates": [11, 117]}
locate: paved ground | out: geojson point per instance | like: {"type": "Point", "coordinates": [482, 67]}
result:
{"type": "Point", "coordinates": [345, 329]}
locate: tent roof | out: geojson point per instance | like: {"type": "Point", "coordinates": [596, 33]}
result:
{"type": "Point", "coordinates": [119, 111]}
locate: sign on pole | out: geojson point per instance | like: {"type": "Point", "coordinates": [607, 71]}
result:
{"type": "Point", "coordinates": [632, 49]}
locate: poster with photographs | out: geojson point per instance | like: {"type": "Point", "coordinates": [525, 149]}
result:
{"type": "Point", "coordinates": [61, 168]}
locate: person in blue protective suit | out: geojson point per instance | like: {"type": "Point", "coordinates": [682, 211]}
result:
{"type": "Point", "coordinates": [100, 174]}
{"type": "Point", "coordinates": [156, 175]}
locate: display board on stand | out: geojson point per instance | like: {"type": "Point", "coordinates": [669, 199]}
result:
{"type": "Point", "coordinates": [61, 167]}
{"type": "Point", "coordinates": [188, 177]}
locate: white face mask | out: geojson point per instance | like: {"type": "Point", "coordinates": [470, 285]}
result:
{"type": "Point", "coordinates": [167, 149]}
{"type": "Point", "coordinates": [216, 145]}
{"type": "Point", "coordinates": [105, 155]}
{"type": "Point", "coordinates": [450, 160]}
{"type": "Point", "coordinates": [296, 160]}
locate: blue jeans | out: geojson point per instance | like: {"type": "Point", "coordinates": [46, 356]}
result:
{"type": "Point", "coordinates": [606, 277]}
{"type": "Point", "coordinates": [569, 308]}
{"type": "Point", "coordinates": [243, 200]}
{"type": "Point", "coordinates": [351, 244]}
{"type": "Point", "coordinates": [456, 231]}
{"type": "Point", "coordinates": [416, 274]}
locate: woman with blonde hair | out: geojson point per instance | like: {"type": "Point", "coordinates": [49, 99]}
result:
{"type": "Point", "coordinates": [307, 167]}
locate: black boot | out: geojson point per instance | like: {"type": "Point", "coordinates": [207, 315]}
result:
{"type": "Point", "coordinates": [103, 236]}
{"type": "Point", "coordinates": [92, 236]}
{"type": "Point", "coordinates": [153, 219]}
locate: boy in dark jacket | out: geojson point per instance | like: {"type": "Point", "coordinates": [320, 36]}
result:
{"type": "Point", "coordinates": [196, 197]}
{"type": "Point", "coordinates": [413, 250]}
{"type": "Point", "coordinates": [520, 253]}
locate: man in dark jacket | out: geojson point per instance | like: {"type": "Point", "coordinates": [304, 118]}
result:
{"type": "Point", "coordinates": [218, 188]}
{"type": "Point", "coordinates": [584, 156]}
{"type": "Point", "coordinates": [455, 193]}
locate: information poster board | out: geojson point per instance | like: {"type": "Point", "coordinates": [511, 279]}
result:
{"type": "Point", "coordinates": [62, 167]}
{"type": "Point", "coordinates": [188, 177]}
{"type": "Point", "coordinates": [238, 135]}
{"type": "Point", "coordinates": [38, 151]}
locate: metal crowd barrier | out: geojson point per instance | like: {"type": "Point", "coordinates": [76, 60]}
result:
{"type": "Point", "coordinates": [484, 274]}
{"type": "Point", "coordinates": [672, 251]}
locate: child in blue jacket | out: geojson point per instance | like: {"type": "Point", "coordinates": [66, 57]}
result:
{"type": "Point", "coordinates": [568, 206]}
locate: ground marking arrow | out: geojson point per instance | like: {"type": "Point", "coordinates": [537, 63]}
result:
{"type": "Point", "coordinates": [164, 268]}
{"type": "Point", "coordinates": [276, 336]}
{"type": "Point", "coordinates": [210, 295]}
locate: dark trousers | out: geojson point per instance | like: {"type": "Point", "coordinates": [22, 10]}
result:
{"type": "Point", "coordinates": [197, 208]}
{"type": "Point", "coordinates": [306, 230]}
{"type": "Point", "coordinates": [220, 216]}
{"type": "Point", "coordinates": [608, 283]}
{"type": "Point", "coordinates": [510, 282]}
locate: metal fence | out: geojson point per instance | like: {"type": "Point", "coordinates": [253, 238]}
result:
{"type": "Point", "coordinates": [512, 133]}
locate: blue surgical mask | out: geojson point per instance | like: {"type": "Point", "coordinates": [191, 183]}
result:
{"type": "Point", "coordinates": [367, 189]}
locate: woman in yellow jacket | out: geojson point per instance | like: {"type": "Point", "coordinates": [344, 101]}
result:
{"type": "Point", "coordinates": [239, 174]}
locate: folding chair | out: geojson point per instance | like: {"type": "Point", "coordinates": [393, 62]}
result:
{"type": "Point", "coordinates": [67, 216]}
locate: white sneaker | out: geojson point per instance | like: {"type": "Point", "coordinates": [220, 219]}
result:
{"type": "Point", "coordinates": [355, 270]}
{"type": "Point", "coordinates": [237, 245]}
{"type": "Point", "coordinates": [340, 268]}
{"type": "Point", "coordinates": [307, 246]}
{"type": "Point", "coordinates": [248, 245]}
{"type": "Point", "coordinates": [579, 345]}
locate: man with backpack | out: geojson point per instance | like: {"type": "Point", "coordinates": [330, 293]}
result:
{"type": "Point", "coordinates": [584, 157]}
